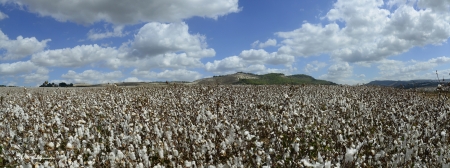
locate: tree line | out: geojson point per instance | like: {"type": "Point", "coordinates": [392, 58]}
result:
{"type": "Point", "coordinates": [62, 84]}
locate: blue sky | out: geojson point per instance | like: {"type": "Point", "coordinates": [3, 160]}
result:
{"type": "Point", "coordinates": [99, 41]}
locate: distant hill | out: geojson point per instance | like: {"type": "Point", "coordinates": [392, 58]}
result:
{"type": "Point", "coordinates": [267, 79]}
{"type": "Point", "coordinates": [404, 84]}
{"type": "Point", "coordinates": [239, 78]}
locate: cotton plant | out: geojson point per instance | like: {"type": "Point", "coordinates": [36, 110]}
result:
{"type": "Point", "coordinates": [223, 126]}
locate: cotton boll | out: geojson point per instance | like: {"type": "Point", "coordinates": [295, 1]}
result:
{"type": "Point", "coordinates": [319, 158]}
{"type": "Point", "coordinates": [296, 147]}
{"type": "Point", "coordinates": [328, 164]}
{"type": "Point", "coordinates": [308, 164]}
{"type": "Point", "coordinates": [187, 163]}
{"type": "Point", "coordinates": [259, 144]}
{"type": "Point", "coordinates": [258, 160]}
{"type": "Point", "coordinates": [119, 155]}
{"type": "Point", "coordinates": [132, 156]}
{"type": "Point", "coordinates": [175, 152]}
{"type": "Point", "coordinates": [69, 146]}
{"type": "Point", "coordinates": [90, 163]}
{"type": "Point", "coordinates": [349, 154]}
{"type": "Point", "coordinates": [112, 157]}
{"type": "Point", "coordinates": [50, 146]}
{"type": "Point", "coordinates": [20, 127]}
{"type": "Point", "coordinates": [161, 153]}
{"type": "Point", "coordinates": [271, 151]}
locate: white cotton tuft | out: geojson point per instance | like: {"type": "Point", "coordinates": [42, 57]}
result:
{"type": "Point", "coordinates": [296, 147]}
{"type": "Point", "coordinates": [328, 164]}
{"type": "Point", "coordinates": [308, 164]}
{"type": "Point", "coordinates": [319, 158]}
{"type": "Point", "coordinates": [161, 153]}
{"type": "Point", "coordinates": [349, 154]}
{"type": "Point", "coordinates": [187, 163]}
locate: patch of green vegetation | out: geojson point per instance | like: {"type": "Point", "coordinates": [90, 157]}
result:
{"type": "Point", "coordinates": [280, 79]}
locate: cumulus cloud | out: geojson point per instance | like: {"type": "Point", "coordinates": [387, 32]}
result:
{"type": "Point", "coordinates": [261, 56]}
{"type": "Point", "coordinates": [95, 34]}
{"type": "Point", "coordinates": [369, 32]}
{"type": "Point", "coordinates": [76, 57]}
{"type": "Point", "coordinates": [435, 5]}
{"type": "Point", "coordinates": [314, 66]}
{"type": "Point", "coordinates": [170, 75]}
{"type": "Point", "coordinates": [156, 45]}
{"type": "Point", "coordinates": [17, 68]}
{"type": "Point", "coordinates": [250, 61]}
{"type": "Point", "coordinates": [226, 65]}
{"type": "Point", "coordinates": [3, 15]}
{"type": "Point", "coordinates": [162, 61]}
{"type": "Point", "coordinates": [159, 38]}
{"type": "Point", "coordinates": [339, 73]}
{"type": "Point", "coordinates": [128, 12]}
{"type": "Point", "coordinates": [92, 76]}
{"type": "Point", "coordinates": [311, 39]}
{"type": "Point", "coordinates": [35, 78]}
{"type": "Point", "coordinates": [132, 79]}
{"type": "Point", "coordinates": [270, 42]}
{"type": "Point", "coordinates": [399, 70]}
{"type": "Point", "coordinates": [20, 47]}
{"type": "Point", "coordinates": [28, 71]}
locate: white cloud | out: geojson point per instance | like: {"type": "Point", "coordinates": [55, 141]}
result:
{"type": "Point", "coordinates": [170, 75]}
{"type": "Point", "coordinates": [269, 42]}
{"type": "Point", "coordinates": [162, 61]}
{"type": "Point", "coordinates": [35, 78]}
{"type": "Point", "coordinates": [435, 5]}
{"type": "Point", "coordinates": [314, 66]}
{"type": "Point", "coordinates": [339, 73]}
{"type": "Point", "coordinates": [17, 68]}
{"type": "Point", "coordinates": [261, 56]}
{"type": "Point", "coordinates": [251, 61]}
{"type": "Point", "coordinates": [443, 73]}
{"type": "Point", "coordinates": [92, 77]}
{"type": "Point", "coordinates": [77, 57]}
{"type": "Point", "coordinates": [20, 47]}
{"type": "Point", "coordinates": [132, 79]}
{"type": "Point", "coordinates": [399, 70]}
{"type": "Point", "coordinates": [156, 45]}
{"type": "Point", "coordinates": [28, 71]}
{"type": "Point", "coordinates": [128, 12]}
{"type": "Point", "coordinates": [311, 40]}
{"type": "Point", "coordinates": [227, 65]}
{"type": "Point", "coordinates": [369, 32]}
{"type": "Point", "coordinates": [95, 34]}
{"type": "Point", "coordinates": [3, 15]}
{"type": "Point", "coordinates": [159, 38]}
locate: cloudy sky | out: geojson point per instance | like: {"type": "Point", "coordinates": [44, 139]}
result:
{"type": "Point", "coordinates": [100, 41]}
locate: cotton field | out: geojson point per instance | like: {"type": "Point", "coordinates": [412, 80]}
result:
{"type": "Point", "coordinates": [223, 126]}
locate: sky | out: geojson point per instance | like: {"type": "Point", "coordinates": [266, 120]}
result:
{"type": "Point", "coordinates": [105, 41]}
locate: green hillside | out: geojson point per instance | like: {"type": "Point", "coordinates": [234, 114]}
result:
{"type": "Point", "coordinates": [281, 79]}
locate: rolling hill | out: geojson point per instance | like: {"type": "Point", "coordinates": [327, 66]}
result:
{"type": "Point", "coordinates": [266, 79]}
{"type": "Point", "coordinates": [404, 84]}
